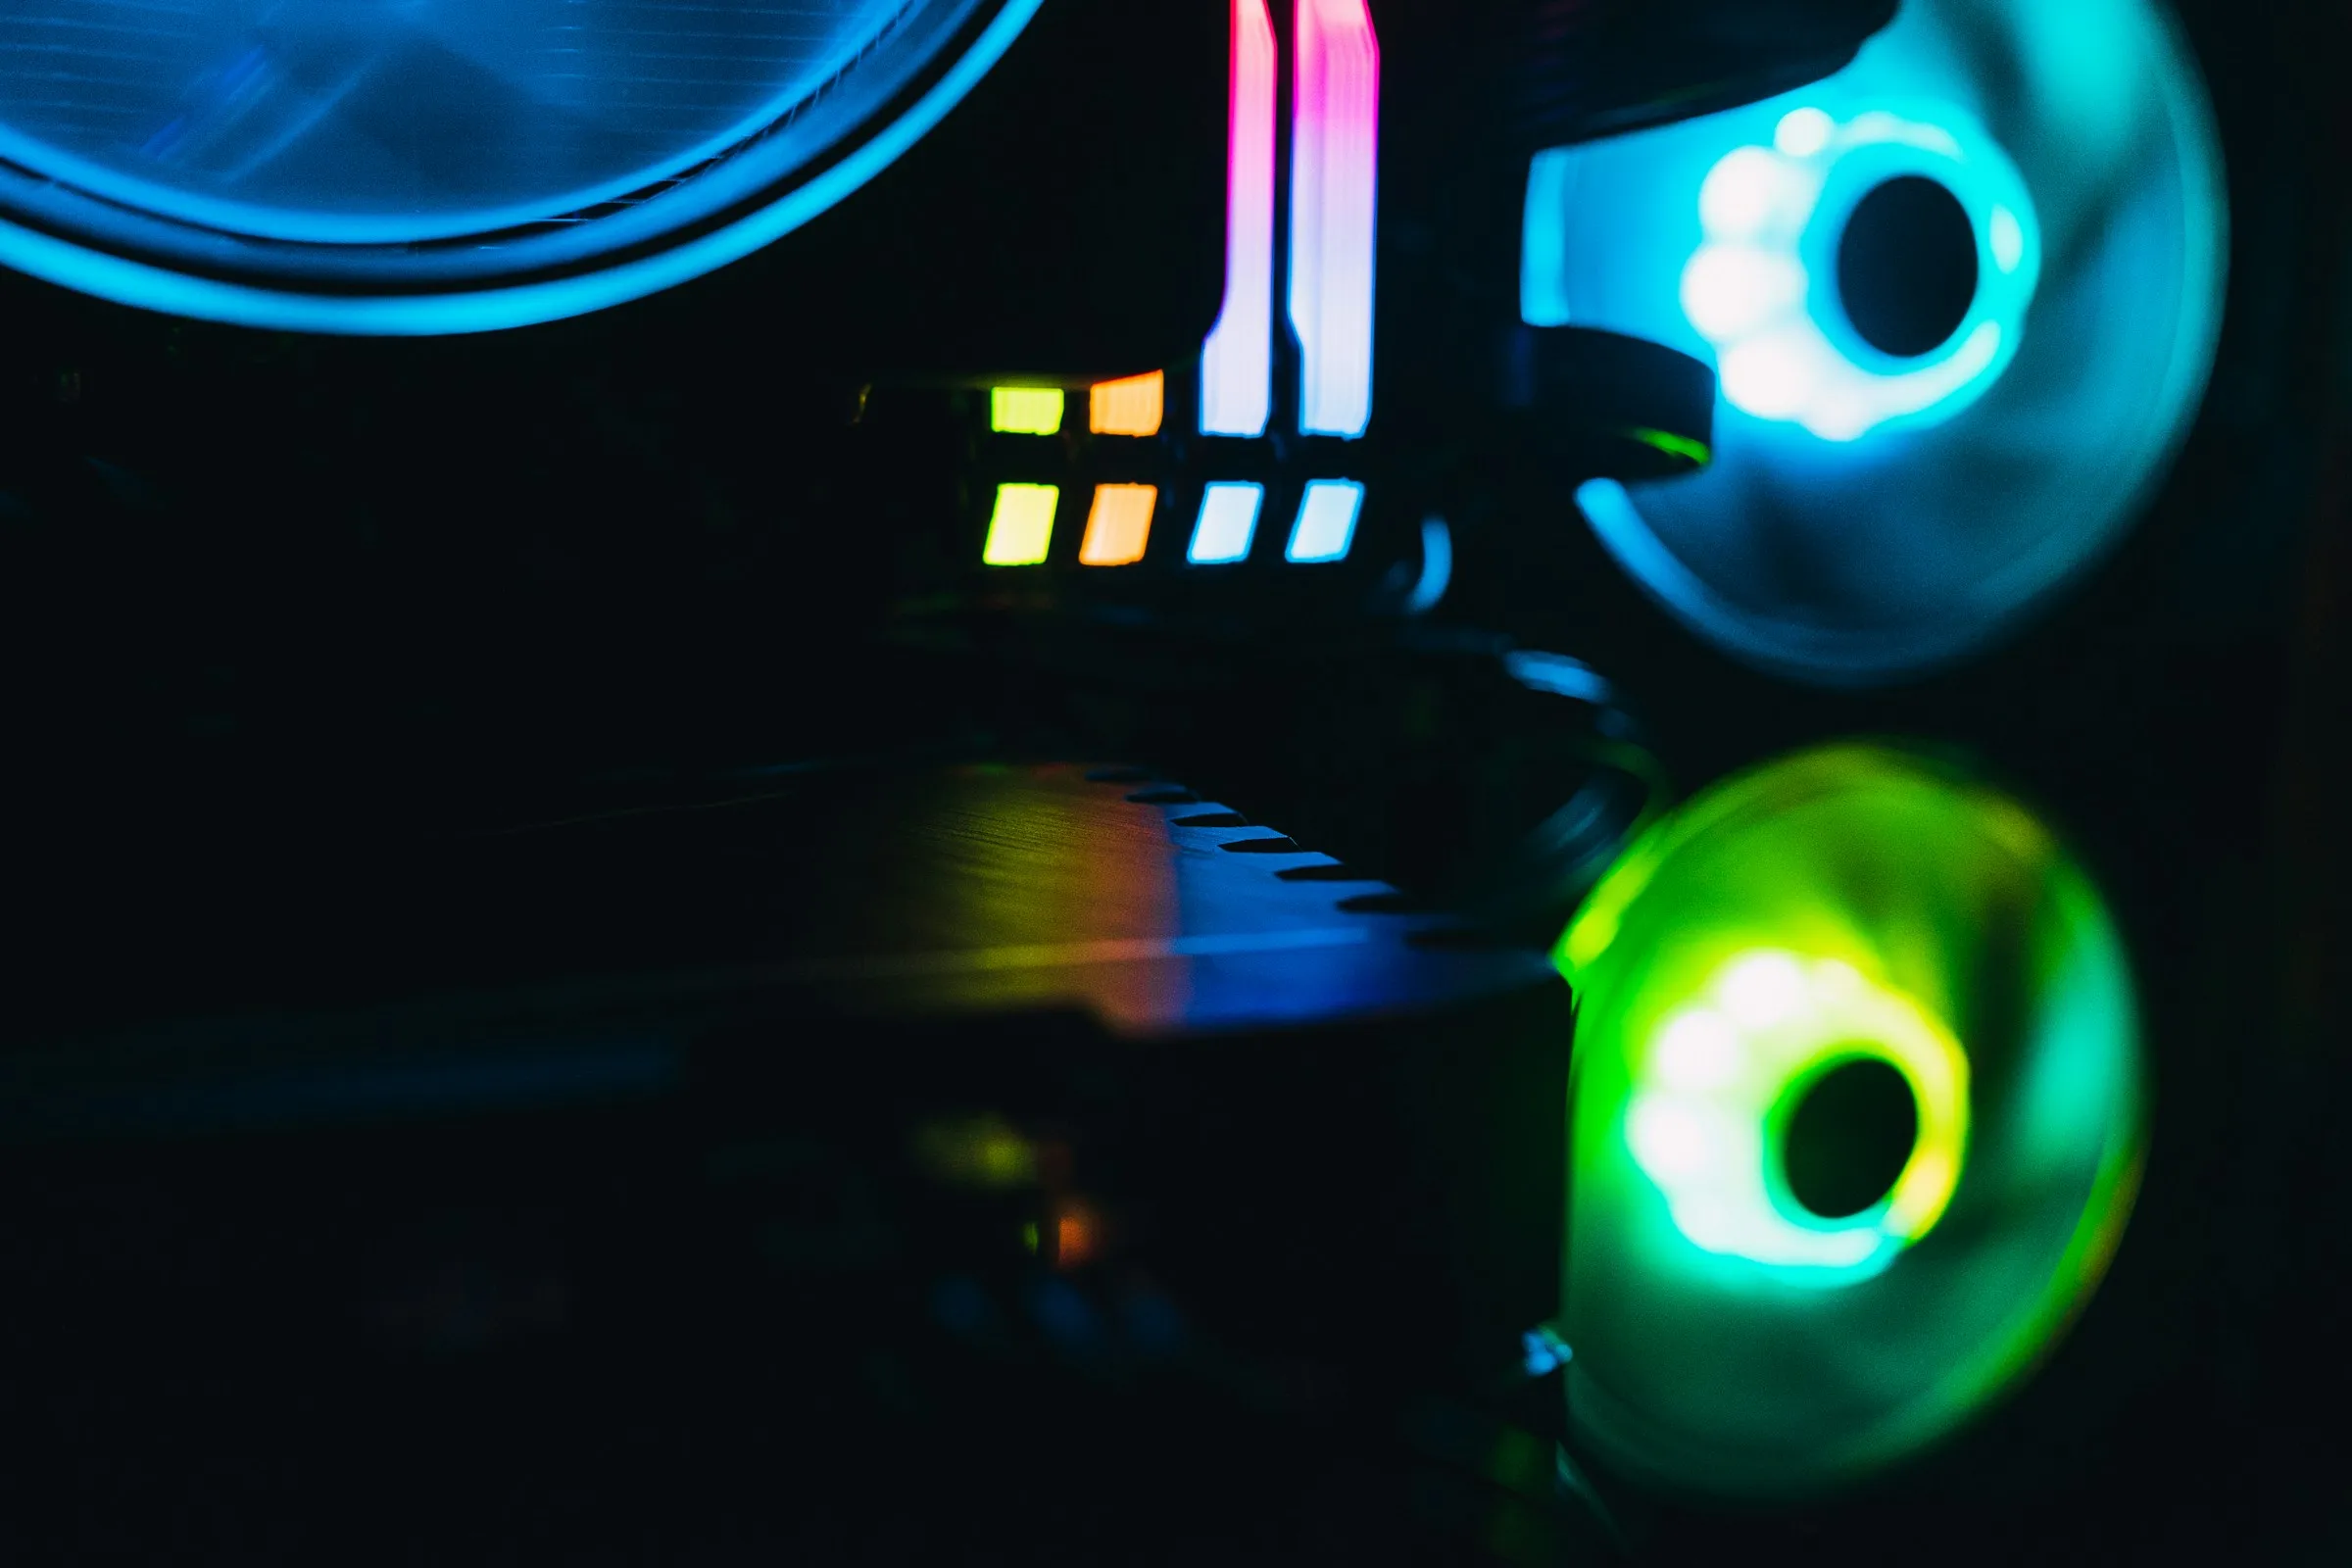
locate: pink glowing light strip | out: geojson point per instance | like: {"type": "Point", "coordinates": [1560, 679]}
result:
{"type": "Point", "coordinates": [1335, 174]}
{"type": "Point", "coordinates": [1237, 366]}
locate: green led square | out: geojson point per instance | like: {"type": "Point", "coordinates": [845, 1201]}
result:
{"type": "Point", "coordinates": [1022, 528]}
{"type": "Point", "coordinates": [1025, 410]}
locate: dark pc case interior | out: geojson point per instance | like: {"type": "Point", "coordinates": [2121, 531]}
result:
{"type": "Point", "coordinates": [1242, 781]}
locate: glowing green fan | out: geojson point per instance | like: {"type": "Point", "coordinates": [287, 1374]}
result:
{"type": "Point", "coordinates": [1856, 1119]}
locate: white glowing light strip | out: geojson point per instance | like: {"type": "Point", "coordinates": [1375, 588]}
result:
{"type": "Point", "coordinates": [1335, 176]}
{"type": "Point", "coordinates": [1237, 364]}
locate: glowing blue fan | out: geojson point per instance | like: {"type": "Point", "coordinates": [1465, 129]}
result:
{"type": "Point", "coordinates": [424, 166]}
{"type": "Point", "coordinates": [1962, 299]}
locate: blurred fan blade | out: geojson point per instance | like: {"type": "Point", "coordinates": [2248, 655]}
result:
{"type": "Point", "coordinates": [1857, 1119]}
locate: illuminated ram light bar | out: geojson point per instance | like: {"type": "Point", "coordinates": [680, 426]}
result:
{"type": "Point", "coordinates": [1021, 530]}
{"type": "Point", "coordinates": [1119, 526]}
{"type": "Point", "coordinates": [1335, 170]}
{"type": "Point", "coordinates": [1228, 524]}
{"type": "Point", "coordinates": [1326, 525]}
{"type": "Point", "coordinates": [1135, 405]}
{"type": "Point", "coordinates": [1025, 411]}
{"type": "Point", "coordinates": [1236, 364]}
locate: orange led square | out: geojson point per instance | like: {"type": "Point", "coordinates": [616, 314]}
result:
{"type": "Point", "coordinates": [1120, 525]}
{"type": "Point", "coordinates": [1133, 407]}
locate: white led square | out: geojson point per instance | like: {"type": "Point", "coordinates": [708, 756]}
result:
{"type": "Point", "coordinates": [1326, 527]}
{"type": "Point", "coordinates": [1228, 522]}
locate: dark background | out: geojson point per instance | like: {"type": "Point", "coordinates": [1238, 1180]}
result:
{"type": "Point", "coordinates": [260, 593]}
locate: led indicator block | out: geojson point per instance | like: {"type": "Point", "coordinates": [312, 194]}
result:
{"type": "Point", "coordinates": [1120, 525]}
{"type": "Point", "coordinates": [1228, 522]}
{"type": "Point", "coordinates": [1326, 527]}
{"type": "Point", "coordinates": [1335, 176]}
{"type": "Point", "coordinates": [1025, 411]}
{"type": "Point", "coordinates": [1021, 530]}
{"type": "Point", "coordinates": [1131, 407]}
{"type": "Point", "coordinates": [1236, 364]}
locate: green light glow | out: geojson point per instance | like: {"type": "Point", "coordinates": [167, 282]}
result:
{"type": "Point", "coordinates": [1025, 410]}
{"type": "Point", "coordinates": [1715, 1086]}
{"type": "Point", "coordinates": [1848, 904]}
{"type": "Point", "coordinates": [1696, 453]}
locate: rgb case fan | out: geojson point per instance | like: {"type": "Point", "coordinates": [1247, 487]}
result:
{"type": "Point", "coordinates": [1963, 296]}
